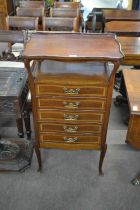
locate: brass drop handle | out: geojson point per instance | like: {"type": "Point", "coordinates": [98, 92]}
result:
{"type": "Point", "coordinates": [71, 91]}
{"type": "Point", "coordinates": [71, 105]}
{"type": "Point", "coordinates": [71, 117]}
{"type": "Point", "coordinates": [70, 140]}
{"type": "Point", "coordinates": [68, 129]}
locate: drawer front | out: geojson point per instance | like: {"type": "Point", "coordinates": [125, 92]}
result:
{"type": "Point", "coordinates": [65, 116]}
{"type": "Point", "coordinates": [43, 89]}
{"type": "Point", "coordinates": [54, 137]}
{"type": "Point", "coordinates": [70, 128]}
{"type": "Point", "coordinates": [71, 103]}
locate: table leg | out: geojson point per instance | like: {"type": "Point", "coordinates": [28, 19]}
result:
{"type": "Point", "coordinates": [26, 116]}
{"type": "Point", "coordinates": [19, 123]}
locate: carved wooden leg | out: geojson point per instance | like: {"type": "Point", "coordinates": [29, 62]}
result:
{"type": "Point", "coordinates": [38, 155]}
{"type": "Point", "coordinates": [19, 123]}
{"type": "Point", "coordinates": [102, 155]}
{"type": "Point", "coordinates": [26, 116]}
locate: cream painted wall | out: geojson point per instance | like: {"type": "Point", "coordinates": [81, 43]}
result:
{"type": "Point", "coordinates": [129, 4]}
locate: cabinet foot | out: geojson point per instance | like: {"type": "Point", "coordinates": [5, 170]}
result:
{"type": "Point", "coordinates": [102, 155]}
{"type": "Point", "coordinates": [38, 155]}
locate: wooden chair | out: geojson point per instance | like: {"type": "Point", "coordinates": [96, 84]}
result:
{"type": "Point", "coordinates": [30, 12]}
{"type": "Point", "coordinates": [12, 36]}
{"type": "Point", "coordinates": [60, 24]}
{"type": "Point", "coordinates": [32, 4]}
{"type": "Point", "coordinates": [21, 23]}
{"type": "Point", "coordinates": [71, 5]}
{"type": "Point", "coordinates": [64, 12]}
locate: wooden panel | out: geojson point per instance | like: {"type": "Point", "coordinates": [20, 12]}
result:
{"type": "Point", "coordinates": [132, 85]}
{"type": "Point", "coordinates": [71, 146]}
{"type": "Point", "coordinates": [3, 6]}
{"type": "Point", "coordinates": [132, 82]}
{"type": "Point", "coordinates": [133, 135]}
{"type": "Point", "coordinates": [72, 5]}
{"type": "Point", "coordinates": [123, 27]}
{"type": "Point", "coordinates": [2, 20]}
{"type": "Point", "coordinates": [54, 137]}
{"type": "Point", "coordinates": [71, 103]}
{"type": "Point", "coordinates": [119, 14]}
{"type": "Point", "coordinates": [65, 116]}
{"type": "Point", "coordinates": [3, 13]}
{"type": "Point", "coordinates": [70, 128]}
{"type": "Point", "coordinates": [131, 49]}
{"type": "Point", "coordinates": [70, 90]}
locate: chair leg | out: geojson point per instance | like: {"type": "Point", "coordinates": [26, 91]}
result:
{"type": "Point", "coordinates": [19, 123]}
{"type": "Point", "coordinates": [26, 116]}
{"type": "Point", "coordinates": [102, 155]}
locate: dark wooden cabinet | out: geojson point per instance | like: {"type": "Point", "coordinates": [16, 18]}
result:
{"type": "Point", "coordinates": [13, 96]}
{"type": "Point", "coordinates": [71, 88]}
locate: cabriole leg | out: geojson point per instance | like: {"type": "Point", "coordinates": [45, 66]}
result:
{"type": "Point", "coordinates": [102, 155]}
{"type": "Point", "coordinates": [38, 155]}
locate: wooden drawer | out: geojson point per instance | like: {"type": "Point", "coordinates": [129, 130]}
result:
{"type": "Point", "coordinates": [70, 128]}
{"type": "Point", "coordinates": [66, 116]}
{"type": "Point", "coordinates": [43, 89]}
{"type": "Point", "coordinates": [54, 137]}
{"type": "Point", "coordinates": [71, 103]}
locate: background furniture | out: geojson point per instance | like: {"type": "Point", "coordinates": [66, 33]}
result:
{"type": "Point", "coordinates": [12, 36]}
{"type": "Point", "coordinates": [31, 12]}
{"type": "Point", "coordinates": [132, 85]}
{"type": "Point", "coordinates": [21, 23]}
{"type": "Point", "coordinates": [121, 15]}
{"type": "Point", "coordinates": [125, 28]}
{"type": "Point", "coordinates": [13, 95]}
{"type": "Point", "coordinates": [71, 103]}
{"type": "Point", "coordinates": [60, 24]}
{"type": "Point", "coordinates": [64, 12]}
{"type": "Point", "coordinates": [72, 5]}
{"type": "Point", "coordinates": [32, 4]}
{"type": "Point", "coordinates": [14, 85]}
{"type": "Point", "coordinates": [6, 7]}
{"type": "Point", "coordinates": [131, 49]}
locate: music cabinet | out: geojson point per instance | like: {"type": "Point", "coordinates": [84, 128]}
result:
{"type": "Point", "coordinates": [71, 89]}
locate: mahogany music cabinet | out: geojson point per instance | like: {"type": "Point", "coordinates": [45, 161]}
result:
{"type": "Point", "coordinates": [71, 89]}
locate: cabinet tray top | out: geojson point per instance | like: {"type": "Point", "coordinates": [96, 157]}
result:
{"type": "Point", "coordinates": [73, 47]}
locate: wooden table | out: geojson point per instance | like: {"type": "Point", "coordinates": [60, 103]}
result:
{"type": "Point", "coordinates": [131, 49]}
{"type": "Point", "coordinates": [121, 15]}
{"type": "Point", "coordinates": [71, 100]}
{"type": "Point", "coordinates": [132, 84]}
{"type": "Point", "coordinates": [127, 28]}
